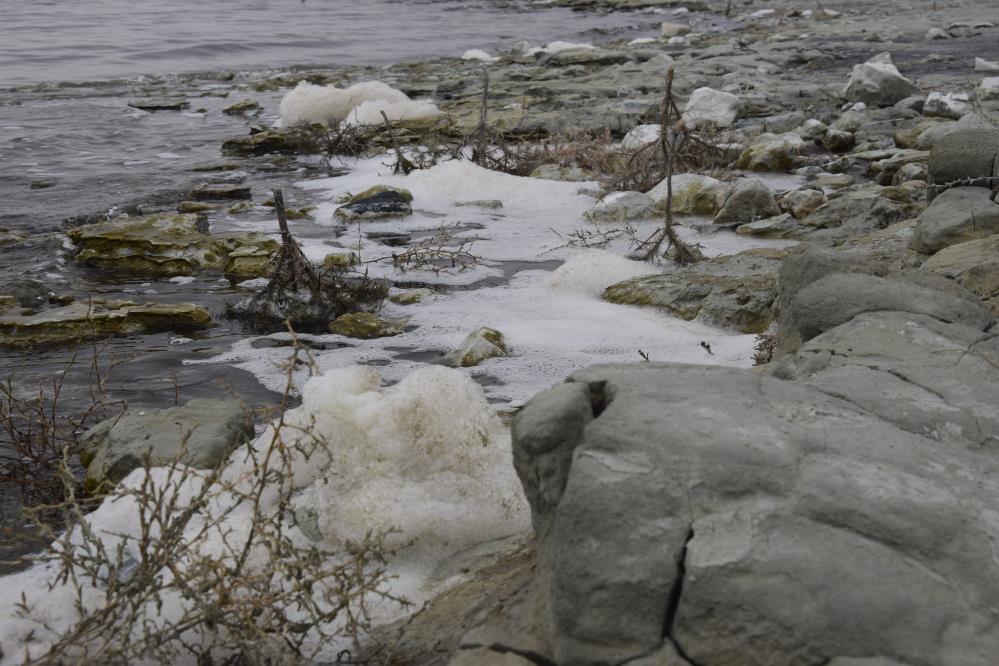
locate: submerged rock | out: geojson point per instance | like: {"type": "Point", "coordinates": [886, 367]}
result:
{"type": "Point", "coordinates": [200, 434]}
{"type": "Point", "coordinates": [366, 326]}
{"type": "Point", "coordinates": [386, 203]}
{"type": "Point", "coordinates": [480, 345]}
{"type": "Point", "coordinates": [216, 191]}
{"type": "Point", "coordinates": [736, 291]}
{"type": "Point", "coordinates": [163, 244]}
{"type": "Point", "coordinates": [242, 107]}
{"type": "Point", "coordinates": [95, 319]}
{"type": "Point", "coordinates": [161, 104]}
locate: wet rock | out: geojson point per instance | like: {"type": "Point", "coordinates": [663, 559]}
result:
{"type": "Point", "coordinates": [196, 207]}
{"type": "Point", "coordinates": [571, 174]}
{"type": "Point", "coordinates": [839, 141]}
{"type": "Point", "coordinates": [974, 265]}
{"type": "Point", "coordinates": [480, 345]}
{"type": "Point", "coordinates": [983, 65]}
{"type": "Point", "coordinates": [366, 326]}
{"type": "Point", "coordinates": [249, 261]}
{"type": "Point", "coordinates": [161, 104]}
{"type": "Point", "coordinates": [378, 189]}
{"type": "Point", "coordinates": [693, 194]}
{"type": "Point", "coordinates": [780, 226]}
{"type": "Point", "coordinates": [97, 319]}
{"type": "Point", "coordinates": [771, 152]}
{"type": "Point", "coordinates": [913, 103]}
{"type": "Point", "coordinates": [340, 260]}
{"type": "Point", "coordinates": [8, 237]}
{"type": "Point", "coordinates": [620, 206]}
{"type": "Point", "coordinates": [812, 130]}
{"type": "Point", "coordinates": [290, 140]}
{"type": "Point", "coordinates": [988, 89]}
{"type": "Point", "coordinates": [802, 203]}
{"type": "Point", "coordinates": [878, 82]}
{"type": "Point", "coordinates": [410, 296]}
{"type": "Point", "coordinates": [200, 434]}
{"type": "Point", "coordinates": [641, 136]}
{"type": "Point", "coordinates": [784, 122]}
{"type": "Point", "coordinates": [586, 56]}
{"type": "Point", "coordinates": [217, 191]}
{"type": "Point", "coordinates": [162, 245]}
{"type": "Point", "coordinates": [856, 211]}
{"type": "Point", "coordinates": [388, 203]}
{"type": "Point", "coordinates": [958, 215]}
{"type": "Point", "coordinates": [736, 291]}
{"type": "Point", "coordinates": [669, 29]}
{"type": "Point", "coordinates": [8, 303]}
{"type": "Point", "coordinates": [947, 105]}
{"type": "Point", "coordinates": [242, 107]}
{"type": "Point", "coordinates": [909, 172]}
{"type": "Point", "coordinates": [834, 180]}
{"type": "Point", "coordinates": [491, 204]}
{"type": "Point", "coordinates": [707, 107]}
{"type": "Point", "coordinates": [750, 200]}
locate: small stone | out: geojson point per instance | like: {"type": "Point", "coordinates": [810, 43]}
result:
{"type": "Point", "coordinates": [641, 136]}
{"type": "Point", "coordinates": [750, 200]}
{"type": "Point", "coordinates": [802, 203]}
{"type": "Point", "coordinates": [780, 226]}
{"type": "Point", "coordinates": [366, 326]}
{"type": "Point", "coordinates": [195, 207]}
{"type": "Point", "coordinates": [491, 204]}
{"type": "Point", "coordinates": [839, 141]}
{"type": "Point", "coordinates": [8, 303]}
{"type": "Point", "coordinates": [409, 296]}
{"type": "Point", "coordinates": [669, 29]}
{"type": "Point", "coordinates": [239, 108]}
{"type": "Point", "coordinates": [812, 130]}
{"type": "Point", "coordinates": [377, 189]}
{"type": "Point", "coordinates": [241, 207]}
{"type": "Point", "coordinates": [620, 206]}
{"type": "Point", "coordinates": [771, 152]}
{"type": "Point", "coordinates": [480, 345]}
{"type": "Point", "coordinates": [834, 180]}
{"type": "Point", "coordinates": [339, 260]}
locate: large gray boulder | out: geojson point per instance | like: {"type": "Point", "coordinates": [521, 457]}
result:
{"type": "Point", "coordinates": [201, 434]}
{"type": "Point", "coordinates": [839, 297]}
{"type": "Point", "coordinates": [958, 215]}
{"type": "Point", "coordinates": [754, 521]}
{"type": "Point", "coordinates": [964, 157]}
{"type": "Point", "coordinates": [974, 265]}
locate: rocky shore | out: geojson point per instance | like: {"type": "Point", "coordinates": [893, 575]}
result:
{"type": "Point", "coordinates": [828, 501]}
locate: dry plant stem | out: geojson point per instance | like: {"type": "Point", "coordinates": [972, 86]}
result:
{"type": "Point", "coordinates": [402, 164]}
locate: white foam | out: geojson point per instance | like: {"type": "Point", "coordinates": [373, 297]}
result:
{"type": "Point", "coordinates": [478, 54]}
{"type": "Point", "coordinates": [370, 112]}
{"type": "Point", "coordinates": [309, 103]}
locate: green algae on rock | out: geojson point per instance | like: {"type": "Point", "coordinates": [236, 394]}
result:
{"type": "Point", "coordinates": [95, 319]}
{"type": "Point", "coordinates": [166, 245]}
{"type": "Point", "coordinates": [366, 326]}
{"type": "Point", "coordinates": [480, 345]}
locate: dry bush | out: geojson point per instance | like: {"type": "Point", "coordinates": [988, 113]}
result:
{"type": "Point", "coordinates": [440, 253]}
{"type": "Point", "coordinates": [213, 570]}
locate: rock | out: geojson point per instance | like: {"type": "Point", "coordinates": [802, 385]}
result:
{"type": "Point", "coordinates": [908, 192]}
{"type": "Point", "coordinates": [388, 203]}
{"type": "Point", "coordinates": [839, 141]}
{"type": "Point", "coordinates": [340, 260]}
{"type": "Point", "coordinates": [641, 136]}
{"type": "Point", "coordinates": [947, 105]}
{"type": "Point", "coordinates": [571, 174]}
{"type": "Point", "coordinates": [802, 203]}
{"type": "Point", "coordinates": [485, 343]}
{"type": "Point", "coordinates": [491, 204]}
{"type": "Point", "coordinates": [586, 56]}
{"type": "Point", "coordinates": [780, 226]}
{"type": "Point", "coordinates": [8, 237]}
{"type": "Point", "coordinates": [95, 319]}
{"type": "Point", "coordinates": [678, 41]}
{"type": "Point", "coordinates": [784, 122]}
{"type": "Point", "coordinates": [812, 130]}
{"type": "Point", "coordinates": [937, 33]}
{"type": "Point", "coordinates": [186, 207]}
{"type": "Point", "coordinates": [378, 189]}
{"type": "Point", "coordinates": [668, 29]}
{"type": "Point", "coordinates": [736, 291]}
{"type": "Point", "coordinates": [366, 326]}
{"type": "Point", "coordinates": [834, 180]}
{"type": "Point", "coordinates": [707, 107]}
{"type": "Point", "coordinates": [967, 157]}
{"type": "Point", "coordinates": [200, 434]}
{"type": "Point", "coordinates": [161, 104]}
{"type": "Point", "coordinates": [488, 657]}
{"type": "Point", "coordinates": [988, 89]}
{"type": "Point", "coordinates": [957, 215]}
{"type": "Point", "coordinates": [212, 192]}
{"type": "Point", "coordinates": [910, 172]}
{"type": "Point", "coordinates": [410, 296]}
{"type": "Point", "coordinates": [974, 265]}
{"type": "Point", "coordinates": [878, 82]}
{"type": "Point", "coordinates": [771, 152]}
{"type": "Point", "coordinates": [983, 65]}
{"type": "Point", "coordinates": [620, 206]}
{"type": "Point", "coordinates": [742, 516]}
{"type": "Point", "coordinates": [856, 211]}
{"type": "Point", "coordinates": [162, 245]}
{"type": "Point", "coordinates": [291, 140]}
{"type": "Point", "coordinates": [750, 200]}
{"type": "Point", "coordinates": [8, 303]}
{"type": "Point", "coordinates": [839, 297]}
{"type": "Point", "coordinates": [693, 194]}
{"type": "Point", "coordinates": [851, 121]}
{"type": "Point", "coordinates": [248, 262]}
{"type": "Point", "coordinates": [242, 107]}
{"type": "Point", "coordinates": [913, 103]}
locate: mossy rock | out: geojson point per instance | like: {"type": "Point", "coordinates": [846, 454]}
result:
{"type": "Point", "coordinates": [485, 343]}
{"type": "Point", "coordinates": [196, 207]}
{"type": "Point", "coordinates": [366, 326]}
{"type": "Point", "coordinates": [376, 189]}
{"type": "Point", "coordinates": [96, 319]}
{"type": "Point", "coordinates": [292, 140]}
{"type": "Point", "coordinates": [340, 260]}
{"type": "Point", "coordinates": [241, 107]}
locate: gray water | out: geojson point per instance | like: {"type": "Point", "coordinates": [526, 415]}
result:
{"type": "Point", "coordinates": [86, 40]}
